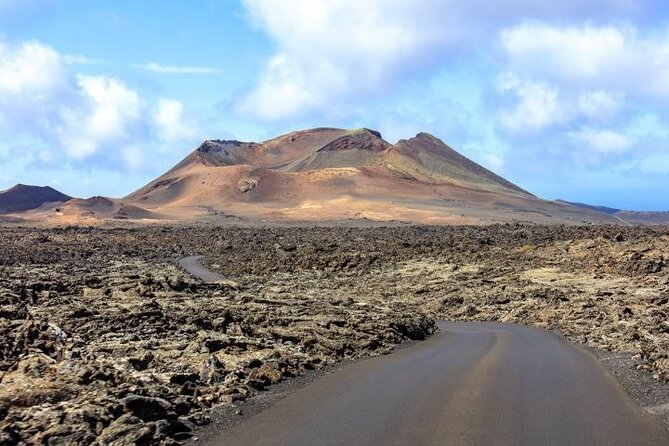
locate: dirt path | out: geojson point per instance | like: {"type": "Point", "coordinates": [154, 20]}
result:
{"type": "Point", "coordinates": [471, 384]}
{"type": "Point", "coordinates": [192, 265]}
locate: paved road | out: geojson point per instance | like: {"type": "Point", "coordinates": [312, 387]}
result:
{"type": "Point", "coordinates": [192, 265]}
{"type": "Point", "coordinates": [471, 384]}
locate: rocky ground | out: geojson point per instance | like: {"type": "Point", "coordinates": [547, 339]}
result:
{"type": "Point", "coordinates": [106, 341]}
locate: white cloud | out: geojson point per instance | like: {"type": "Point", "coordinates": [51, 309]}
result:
{"type": "Point", "coordinates": [588, 56]}
{"type": "Point", "coordinates": [578, 53]}
{"type": "Point", "coordinates": [108, 112]}
{"type": "Point", "coordinates": [538, 106]}
{"type": "Point", "coordinates": [29, 69]}
{"type": "Point", "coordinates": [336, 48]}
{"type": "Point", "coordinates": [171, 124]}
{"type": "Point", "coordinates": [114, 104]}
{"type": "Point", "coordinates": [34, 86]}
{"type": "Point", "coordinates": [79, 116]}
{"type": "Point", "coordinates": [603, 141]}
{"type": "Point", "coordinates": [177, 69]}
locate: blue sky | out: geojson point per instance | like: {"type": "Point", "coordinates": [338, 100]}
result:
{"type": "Point", "coordinates": [568, 99]}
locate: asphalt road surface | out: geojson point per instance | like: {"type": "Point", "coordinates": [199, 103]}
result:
{"type": "Point", "coordinates": [471, 384]}
{"type": "Point", "coordinates": [192, 265]}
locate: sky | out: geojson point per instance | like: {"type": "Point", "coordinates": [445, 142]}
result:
{"type": "Point", "coordinates": [567, 99]}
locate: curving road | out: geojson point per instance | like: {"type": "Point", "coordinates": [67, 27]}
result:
{"type": "Point", "coordinates": [192, 266]}
{"type": "Point", "coordinates": [471, 384]}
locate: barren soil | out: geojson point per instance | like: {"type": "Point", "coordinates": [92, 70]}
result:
{"type": "Point", "coordinates": [107, 341]}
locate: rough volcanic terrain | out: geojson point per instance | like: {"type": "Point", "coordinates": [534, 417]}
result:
{"type": "Point", "coordinates": [106, 341]}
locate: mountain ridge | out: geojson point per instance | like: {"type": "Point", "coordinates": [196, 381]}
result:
{"type": "Point", "coordinates": [627, 216]}
{"type": "Point", "coordinates": [325, 174]}
{"type": "Point", "coordinates": [328, 173]}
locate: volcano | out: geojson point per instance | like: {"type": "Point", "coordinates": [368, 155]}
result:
{"type": "Point", "coordinates": [23, 198]}
{"type": "Point", "coordinates": [330, 174]}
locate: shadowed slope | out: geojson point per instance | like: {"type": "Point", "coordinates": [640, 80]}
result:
{"type": "Point", "coordinates": [357, 149]}
{"type": "Point", "coordinates": [427, 158]}
{"type": "Point", "coordinates": [23, 198]}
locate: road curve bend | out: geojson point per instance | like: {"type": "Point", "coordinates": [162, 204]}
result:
{"type": "Point", "coordinates": [193, 266]}
{"type": "Point", "coordinates": [470, 384]}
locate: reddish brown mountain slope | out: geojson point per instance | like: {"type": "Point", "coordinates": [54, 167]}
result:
{"type": "Point", "coordinates": [336, 174]}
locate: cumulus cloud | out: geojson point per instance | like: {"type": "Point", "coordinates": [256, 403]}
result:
{"type": "Point", "coordinates": [79, 116]}
{"type": "Point", "coordinates": [34, 86]}
{"type": "Point", "coordinates": [588, 94]}
{"type": "Point", "coordinates": [612, 57]}
{"type": "Point", "coordinates": [30, 68]}
{"type": "Point", "coordinates": [538, 106]}
{"type": "Point", "coordinates": [336, 48]}
{"type": "Point", "coordinates": [332, 50]}
{"type": "Point", "coordinates": [170, 121]}
{"type": "Point", "coordinates": [602, 140]}
{"type": "Point", "coordinates": [108, 112]}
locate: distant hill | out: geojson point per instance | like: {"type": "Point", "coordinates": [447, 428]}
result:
{"type": "Point", "coordinates": [643, 217]}
{"type": "Point", "coordinates": [604, 209]}
{"type": "Point", "coordinates": [632, 217]}
{"type": "Point", "coordinates": [24, 198]}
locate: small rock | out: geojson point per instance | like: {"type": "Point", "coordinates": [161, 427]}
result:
{"type": "Point", "coordinates": [147, 408]}
{"type": "Point", "coordinates": [183, 378]}
{"type": "Point", "coordinates": [127, 429]}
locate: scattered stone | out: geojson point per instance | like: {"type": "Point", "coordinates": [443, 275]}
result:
{"type": "Point", "coordinates": [147, 408]}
